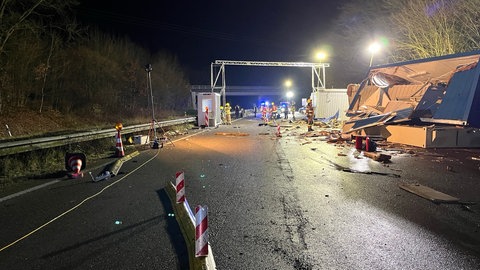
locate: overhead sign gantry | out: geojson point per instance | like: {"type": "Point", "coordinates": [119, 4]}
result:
{"type": "Point", "coordinates": [218, 82]}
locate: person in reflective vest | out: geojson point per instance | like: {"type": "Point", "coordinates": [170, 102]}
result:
{"type": "Point", "coordinates": [310, 113]}
{"type": "Point", "coordinates": [274, 111]}
{"type": "Point", "coordinates": [228, 114]}
{"type": "Point", "coordinates": [264, 113]}
{"type": "Point", "coordinates": [292, 109]}
{"type": "Point", "coordinates": [222, 114]}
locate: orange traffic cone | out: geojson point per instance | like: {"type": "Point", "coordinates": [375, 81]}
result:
{"type": "Point", "coordinates": [119, 145]}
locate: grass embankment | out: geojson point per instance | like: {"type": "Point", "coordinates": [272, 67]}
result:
{"type": "Point", "coordinates": [29, 168]}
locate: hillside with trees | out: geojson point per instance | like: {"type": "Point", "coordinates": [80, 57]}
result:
{"type": "Point", "coordinates": [51, 64]}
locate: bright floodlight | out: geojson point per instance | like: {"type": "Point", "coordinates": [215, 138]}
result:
{"type": "Point", "coordinates": [373, 49]}
{"type": "Point", "coordinates": [321, 55]}
{"type": "Point", "coordinates": [289, 94]}
{"type": "Point", "coordinates": [288, 83]}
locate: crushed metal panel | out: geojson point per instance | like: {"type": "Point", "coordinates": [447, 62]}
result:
{"type": "Point", "coordinates": [468, 137]}
{"type": "Point", "coordinates": [365, 97]}
{"type": "Point", "coordinates": [459, 97]}
{"type": "Point", "coordinates": [396, 106]}
{"type": "Point", "coordinates": [406, 93]}
{"type": "Point", "coordinates": [377, 120]}
{"type": "Point", "coordinates": [430, 102]}
{"type": "Point", "coordinates": [401, 115]}
{"type": "Point", "coordinates": [435, 69]}
{"type": "Point", "coordinates": [367, 122]}
{"type": "Point", "coordinates": [426, 85]}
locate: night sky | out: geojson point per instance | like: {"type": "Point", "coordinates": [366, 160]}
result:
{"type": "Point", "coordinates": [202, 31]}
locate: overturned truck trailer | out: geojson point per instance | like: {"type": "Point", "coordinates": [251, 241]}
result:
{"type": "Point", "coordinates": [428, 103]}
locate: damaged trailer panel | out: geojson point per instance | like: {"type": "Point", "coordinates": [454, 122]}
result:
{"type": "Point", "coordinates": [441, 92]}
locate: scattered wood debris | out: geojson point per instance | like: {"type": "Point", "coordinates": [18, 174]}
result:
{"type": "Point", "coordinates": [429, 193]}
{"type": "Point", "coordinates": [232, 133]}
{"type": "Point", "coordinates": [377, 156]}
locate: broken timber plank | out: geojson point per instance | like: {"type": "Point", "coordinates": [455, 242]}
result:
{"type": "Point", "coordinates": [232, 133]}
{"type": "Point", "coordinates": [377, 156]}
{"type": "Point", "coordinates": [429, 193]}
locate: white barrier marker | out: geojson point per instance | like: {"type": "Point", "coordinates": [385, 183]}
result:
{"type": "Point", "coordinates": [201, 231]}
{"type": "Point", "coordinates": [180, 187]}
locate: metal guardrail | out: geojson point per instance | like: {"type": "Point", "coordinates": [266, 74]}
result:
{"type": "Point", "coordinates": [15, 147]}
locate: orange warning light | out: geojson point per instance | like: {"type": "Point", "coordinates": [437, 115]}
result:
{"type": "Point", "coordinates": [118, 126]}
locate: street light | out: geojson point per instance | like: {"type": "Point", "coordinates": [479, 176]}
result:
{"type": "Point", "coordinates": [288, 83]}
{"type": "Point", "coordinates": [289, 94]}
{"type": "Point", "coordinates": [321, 56]}
{"type": "Point", "coordinates": [373, 48]}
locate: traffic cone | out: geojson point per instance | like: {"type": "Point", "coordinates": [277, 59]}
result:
{"type": "Point", "coordinates": [206, 116]}
{"type": "Point", "coordinates": [278, 131]}
{"type": "Point", "coordinates": [74, 163]}
{"type": "Point", "coordinates": [119, 145]}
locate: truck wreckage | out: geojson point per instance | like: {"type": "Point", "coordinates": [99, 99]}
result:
{"type": "Point", "coordinates": [429, 103]}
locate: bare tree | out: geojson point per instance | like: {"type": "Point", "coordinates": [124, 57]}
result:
{"type": "Point", "coordinates": [15, 16]}
{"type": "Point", "coordinates": [426, 28]}
{"type": "Point", "coordinates": [30, 21]}
{"type": "Point", "coordinates": [415, 29]}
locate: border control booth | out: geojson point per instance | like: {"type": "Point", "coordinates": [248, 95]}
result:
{"type": "Point", "coordinates": [212, 102]}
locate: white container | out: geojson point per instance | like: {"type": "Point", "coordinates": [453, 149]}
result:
{"type": "Point", "coordinates": [139, 139]}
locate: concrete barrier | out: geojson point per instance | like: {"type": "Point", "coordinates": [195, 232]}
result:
{"type": "Point", "coordinates": [186, 221]}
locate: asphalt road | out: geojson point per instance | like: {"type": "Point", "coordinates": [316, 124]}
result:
{"type": "Point", "coordinates": [273, 202]}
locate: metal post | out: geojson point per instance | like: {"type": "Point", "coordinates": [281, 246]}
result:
{"type": "Point", "coordinates": [224, 86]}
{"type": "Point", "coordinates": [148, 69]}
{"type": "Point", "coordinates": [324, 78]}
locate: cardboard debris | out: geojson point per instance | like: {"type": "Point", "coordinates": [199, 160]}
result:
{"type": "Point", "coordinates": [429, 193]}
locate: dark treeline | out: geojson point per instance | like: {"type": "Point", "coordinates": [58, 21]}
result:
{"type": "Point", "coordinates": [48, 61]}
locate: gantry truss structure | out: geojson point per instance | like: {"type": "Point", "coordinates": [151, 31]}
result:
{"type": "Point", "coordinates": [218, 81]}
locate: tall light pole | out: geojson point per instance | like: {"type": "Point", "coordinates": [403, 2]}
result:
{"type": "Point", "coordinates": [373, 49]}
{"type": "Point", "coordinates": [288, 84]}
{"type": "Point", "coordinates": [148, 69]}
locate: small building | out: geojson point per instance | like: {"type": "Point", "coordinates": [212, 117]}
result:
{"type": "Point", "coordinates": [330, 103]}
{"type": "Point", "coordinates": [211, 101]}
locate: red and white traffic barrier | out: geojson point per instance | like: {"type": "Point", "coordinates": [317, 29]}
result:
{"type": "Point", "coordinates": [180, 186]}
{"type": "Point", "coordinates": [278, 131]}
{"type": "Point", "coordinates": [206, 116]}
{"type": "Point", "coordinates": [201, 231]}
{"type": "Point", "coordinates": [74, 163]}
{"type": "Point", "coordinates": [119, 145]}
